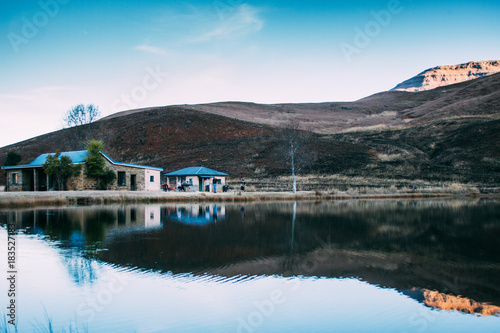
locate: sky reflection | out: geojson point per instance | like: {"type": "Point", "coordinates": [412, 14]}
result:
{"type": "Point", "coordinates": [269, 287]}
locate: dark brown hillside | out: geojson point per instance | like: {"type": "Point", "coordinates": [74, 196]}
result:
{"type": "Point", "coordinates": [464, 150]}
{"type": "Point", "coordinates": [446, 134]}
{"type": "Point", "coordinates": [175, 137]}
{"type": "Point", "coordinates": [390, 109]}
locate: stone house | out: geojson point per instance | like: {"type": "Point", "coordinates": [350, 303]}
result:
{"type": "Point", "coordinates": [130, 177]}
{"type": "Point", "coordinates": [193, 178]}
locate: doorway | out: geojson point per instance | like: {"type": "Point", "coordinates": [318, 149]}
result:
{"type": "Point", "coordinates": [133, 183]}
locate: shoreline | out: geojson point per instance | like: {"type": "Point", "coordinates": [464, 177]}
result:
{"type": "Point", "coordinates": [85, 198]}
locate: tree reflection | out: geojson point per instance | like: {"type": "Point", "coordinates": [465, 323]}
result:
{"type": "Point", "coordinates": [82, 270]}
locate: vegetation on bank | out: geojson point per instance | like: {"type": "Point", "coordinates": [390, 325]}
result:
{"type": "Point", "coordinates": [309, 187]}
{"type": "Point", "coordinates": [47, 327]}
{"type": "Point", "coordinates": [342, 184]}
{"type": "Point", "coordinates": [62, 169]}
{"type": "Point", "coordinates": [95, 165]}
{"type": "Point", "coordinates": [71, 198]}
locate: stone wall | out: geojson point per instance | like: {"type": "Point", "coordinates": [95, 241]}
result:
{"type": "Point", "coordinates": [10, 185]}
{"type": "Point", "coordinates": [139, 174]}
{"type": "Point", "coordinates": [26, 179]}
{"type": "Point", "coordinates": [82, 183]}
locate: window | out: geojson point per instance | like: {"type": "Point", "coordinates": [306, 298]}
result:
{"type": "Point", "coordinates": [121, 217]}
{"type": "Point", "coordinates": [152, 179]}
{"type": "Point", "coordinates": [15, 178]}
{"type": "Point", "coordinates": [121, 178]}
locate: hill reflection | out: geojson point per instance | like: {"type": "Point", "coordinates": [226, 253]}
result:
{"type": "Point", "coordinates": [442, 249]}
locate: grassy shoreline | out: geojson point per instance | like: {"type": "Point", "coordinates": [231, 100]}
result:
{"type": "Point", "coordinates": [311, 187]}
{"type": "Point", "coordinates": [80, 198]}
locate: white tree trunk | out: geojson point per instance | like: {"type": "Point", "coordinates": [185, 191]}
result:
{"type": "Point", "coordinates": [292, 240]}
{"type": "Point", "coordinates": [294, 181]}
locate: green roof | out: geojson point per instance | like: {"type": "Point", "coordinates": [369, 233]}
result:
{"type": "Point", "coordinates": [197, 171]}
{"type": "Point", "coordinates": [76, 157]}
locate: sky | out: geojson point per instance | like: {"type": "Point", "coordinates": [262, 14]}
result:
{"type": "Point", "coordinates": [121, 55]}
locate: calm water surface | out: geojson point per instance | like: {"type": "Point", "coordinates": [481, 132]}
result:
{"type": "Point", "coordinates": [357, 266]}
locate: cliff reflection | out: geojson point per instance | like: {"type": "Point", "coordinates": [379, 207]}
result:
{"type": "Point", "coordinates": [449, 246]}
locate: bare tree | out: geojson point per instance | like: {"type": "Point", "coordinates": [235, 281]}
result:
{"type": "Point", "coordinates": [82, 117]}
{"type": "Point", "coordinates": [293, 147]}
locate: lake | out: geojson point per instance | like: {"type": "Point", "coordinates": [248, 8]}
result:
{"type": "Point", "coordinates": [328, 266]}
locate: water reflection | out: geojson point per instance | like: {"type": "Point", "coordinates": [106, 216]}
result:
{"type": "Point", "coordinates": [195, 214]}
{"type": "Point", "coordinates": [80, 231]}
{"type": "Point", "coordinates": [81, 270]}
{"type": "Point", "coordinates": [431, 250]}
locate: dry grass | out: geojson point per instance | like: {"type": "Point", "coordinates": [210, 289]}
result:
{"type": "Point", "coordinates": [311, 187]}
{"type": "Point", "coordinates": [345, 185]}
{"type": "Point", "coordinates": [10, 200]}
{"type": "Point", "coordinates": [389, 157]}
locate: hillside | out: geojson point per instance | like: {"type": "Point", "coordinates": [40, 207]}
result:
{"type": "Point", "coordinates": [445, 75]}
{"type": "Point", "coordinates": [392, 109]}
{"type": "Point", "coordinates": [448, 133]}
{"type": "Point", "coordinates": [176, 137]}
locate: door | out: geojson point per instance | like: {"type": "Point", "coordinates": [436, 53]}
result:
{"type": "Point", "coordinates": [28, 180]}
{"type": "Point", "coordinates": [41, 181]}
{"type": "Point", "coordinates": [200, 180]}
{"type": "Point", "coordinates": [133, 185]}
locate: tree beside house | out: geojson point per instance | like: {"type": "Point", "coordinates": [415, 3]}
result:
{"type": "Point", "coordinates": [81, 170]}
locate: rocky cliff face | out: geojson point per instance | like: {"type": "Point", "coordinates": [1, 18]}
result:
{"type": "Point", "coordinates": [446, 75]}
{"type": "Point", "coordinates": [446, 302]}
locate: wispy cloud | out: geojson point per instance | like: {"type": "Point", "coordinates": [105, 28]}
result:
{"type": "Point", "coordinates": [150, 49]}
{"type": "Point", "coordinates": [36, 94]}
{"type": "Point", "coordinates": [243, 20]}
{"type": "Point", "coordinates": [39, 110]}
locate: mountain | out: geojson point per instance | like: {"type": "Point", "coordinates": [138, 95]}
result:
{"type": "Point", "coordinates": [391, 109]}
{"type": "Point", "coordinates": [445, 134]}
{"type": "Point", "coordinates": [446, 75]}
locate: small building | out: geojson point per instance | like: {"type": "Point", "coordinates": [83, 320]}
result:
{"type": "Point", "coordinates": [195, 177]}
{"type": "Point", "coordinates": [130, 177]}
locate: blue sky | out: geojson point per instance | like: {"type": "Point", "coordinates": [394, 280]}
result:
{"type": "Point", "coordinates": [122, 55]}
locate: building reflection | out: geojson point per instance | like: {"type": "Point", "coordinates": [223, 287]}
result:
{"type": "Point", "coordinates": [423, 246]}
{"type": "Point", "coordinates": [399, 244]}
{"type": "Point", "coordinates": [80, 231]}
{"type": "Point", "coordinates": [82, 225]}
{"type": "Point", "coordinates": [195, 214]}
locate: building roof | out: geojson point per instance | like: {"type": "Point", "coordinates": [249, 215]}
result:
{"type": "Point", "coordinates": [130, 165]}
{"type": "Point", "coordinates": [76, 157]}
{"type": "Point", "coordinates": [197, 171]}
